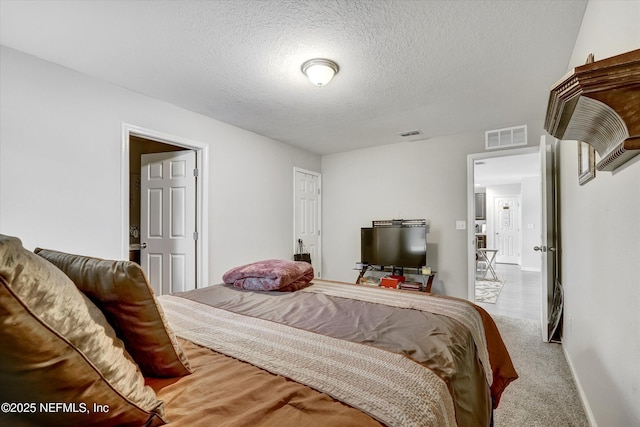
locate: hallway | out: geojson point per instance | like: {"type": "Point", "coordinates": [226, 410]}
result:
{"type": "Point", "coordinates": [520, 296]}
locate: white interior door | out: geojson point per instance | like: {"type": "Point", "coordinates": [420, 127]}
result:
{"type": "Point", "coordinates": [547, 235]}
{"type": "Point", "coordinates": [507, 229]}
{"type": "Point", "coordinates": [168, 220]}
{"type": "Point", "coordinates": [307, 199]}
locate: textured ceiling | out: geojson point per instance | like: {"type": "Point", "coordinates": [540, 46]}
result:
{"type": "Point", "coordinates": [443, 67]}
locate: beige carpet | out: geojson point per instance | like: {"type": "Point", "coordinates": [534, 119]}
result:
{"type": "Point", "coordinates": [545, 394]}
{"type": "Point", "coordinates": [488, 290]}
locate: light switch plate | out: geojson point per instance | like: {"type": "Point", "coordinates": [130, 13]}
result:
{"type": "Point", "coordinates": [461, 225]}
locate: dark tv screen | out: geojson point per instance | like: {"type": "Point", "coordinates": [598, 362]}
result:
{"type": "Point", "coordinates": [401, 246]}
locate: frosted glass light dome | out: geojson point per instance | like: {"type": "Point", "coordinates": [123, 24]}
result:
{"type": "Point", "coordinates": [320, 71]}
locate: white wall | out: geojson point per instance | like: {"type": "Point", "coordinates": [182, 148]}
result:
{"type": "Point", "coordinates": [600, 255]}
{"type": "Point", "coordinates": [60, 167]}
{"type": "Point", "coordinates": [421, 179]}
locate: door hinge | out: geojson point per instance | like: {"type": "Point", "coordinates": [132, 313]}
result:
{"type": "Point", "coordinates": [195, 235]}
{"type": "Point", "coordinates": [195, 172]}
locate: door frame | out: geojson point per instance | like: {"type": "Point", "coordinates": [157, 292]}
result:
{"type": "Point", "coordinates": [295, 242]}
{"type": "Point", "coordinates": [471, 218]}
{"type": "Point", "coordinates": [202, 192]}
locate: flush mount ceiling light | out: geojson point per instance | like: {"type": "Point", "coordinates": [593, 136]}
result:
{"type": "Point", "coordinates": [320, 71]}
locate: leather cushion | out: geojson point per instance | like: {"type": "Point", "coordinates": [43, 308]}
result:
{"type": "Point", "coordinates": [121, 290]}
{"type": "Point", "coordinates": [57, 347]}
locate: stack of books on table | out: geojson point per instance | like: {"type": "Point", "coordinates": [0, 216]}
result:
{"type": "Point", "coordinates": [411, 286]}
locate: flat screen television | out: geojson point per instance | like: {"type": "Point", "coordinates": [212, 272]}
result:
{"type": "Point", "coordinates": [394, 244]}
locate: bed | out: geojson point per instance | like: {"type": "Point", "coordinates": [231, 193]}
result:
{"type": "Point", "coordinates": [324, 354]}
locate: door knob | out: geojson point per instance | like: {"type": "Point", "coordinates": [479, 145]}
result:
{"type": "Point", "coordinates": [143, 245]}
{"type": "Point", "coordinates": [540, 248]}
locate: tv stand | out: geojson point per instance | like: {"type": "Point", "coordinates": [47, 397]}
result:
{"type": "Point", "coordinates": [363, 268]}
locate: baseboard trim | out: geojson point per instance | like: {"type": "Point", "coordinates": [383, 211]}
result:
{"type": "Point", "coordinates": [537, 270]}
{"type": "Point", "coordinates": [583, 398]}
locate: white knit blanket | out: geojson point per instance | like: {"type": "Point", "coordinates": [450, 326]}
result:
{"type": "Point", "coordinates": [390, 387]}
{"type": "Point", "coordinates": [459, 310]}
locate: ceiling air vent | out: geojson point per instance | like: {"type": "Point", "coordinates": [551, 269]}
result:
{"type": "Point", "coordinates": [409, 133]}
{"type": "Point", "coordinates": [412, 135]}
{"type": "Point", "coordinates": [507, 137]}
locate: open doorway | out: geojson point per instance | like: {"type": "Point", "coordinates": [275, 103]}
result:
{"type": "Point", "coordinates": [137, 143]}
{"type": "Point", "coordinates": [506, 214]}
{"type": "Point", "coordinates": [307, 221]}
{"type": "Point", "coordinates": [162, 214]}
{"type": "Point", "coordinates": [137, 147]}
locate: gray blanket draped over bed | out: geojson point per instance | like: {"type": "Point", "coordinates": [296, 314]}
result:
{"type": "Point", "coordinates": [438, 342]}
